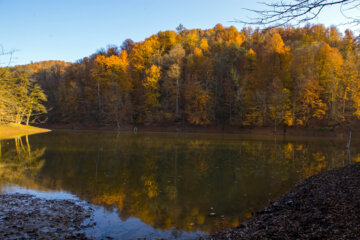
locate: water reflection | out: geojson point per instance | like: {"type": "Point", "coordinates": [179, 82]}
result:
{"type": "Point", "coordinates": [182, 183]}
{"type": "Point", "coordinates": [19, 164]}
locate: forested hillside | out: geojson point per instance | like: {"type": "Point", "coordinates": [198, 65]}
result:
{"type": "Point", "coordinates": [221, 76]}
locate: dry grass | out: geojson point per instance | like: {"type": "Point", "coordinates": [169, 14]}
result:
{"type": "Point", "coordinates": [13, 130]}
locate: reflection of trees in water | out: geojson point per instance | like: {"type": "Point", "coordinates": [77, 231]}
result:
{"type": "Point", "coordinates": [19, 164]}
{"type": "Point", "coordinates": [177, 181]}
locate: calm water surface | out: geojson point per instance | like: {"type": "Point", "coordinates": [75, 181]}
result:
{"type": "Point", "coordinates": [167, 185]}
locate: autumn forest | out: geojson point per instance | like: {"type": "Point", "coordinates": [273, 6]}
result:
{"type": "Point", "coordinates": [295, 77]}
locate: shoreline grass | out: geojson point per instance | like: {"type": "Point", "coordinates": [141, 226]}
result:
{"type": "Point", "coordinates": [13, 130]}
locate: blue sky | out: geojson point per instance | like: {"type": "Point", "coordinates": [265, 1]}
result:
{"type": "Point", "coordinates": [72, 29]}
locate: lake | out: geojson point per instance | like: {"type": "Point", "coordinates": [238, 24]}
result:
{"type": "Point", "coordinates": [165, 185]}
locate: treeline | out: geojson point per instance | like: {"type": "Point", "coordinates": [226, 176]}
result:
{"type": "Point", "coordinates": [220, 76]}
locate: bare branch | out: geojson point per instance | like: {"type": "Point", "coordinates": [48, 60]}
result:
{"type": "Point", "coordinates": [9, 55]}
{"type": "Point", "coordinates": [299, 11]}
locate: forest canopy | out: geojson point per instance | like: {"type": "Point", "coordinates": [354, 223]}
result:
{"type": "Point", "coordinates": [286, 76]}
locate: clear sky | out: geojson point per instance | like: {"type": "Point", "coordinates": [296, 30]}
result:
{"type": "Point", "coordinates": [72, 29]}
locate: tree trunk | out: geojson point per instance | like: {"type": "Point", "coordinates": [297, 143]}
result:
{"type": "Point", "coordinates": [28, 117]}
{"type": "Point", "coordinates": [177, 98]}
{"type": "Point", "coordinates": [348, 155]}
{"type": "Point", "coordinates": [275, 126]}
{"type": "Point", "coordinates": [175, 161]}
{"type": "Point", "coordinates": [98, 95]}
{"type": "Point", "coordinates": [349, 139]}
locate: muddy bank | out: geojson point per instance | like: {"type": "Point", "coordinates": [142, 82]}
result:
{"type": "Point", "coordinates": [325, 206]}
{"type": "Point", "coordinates": [23, 216]}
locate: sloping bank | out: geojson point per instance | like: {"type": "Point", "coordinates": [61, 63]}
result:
{"type": "Point", "coordinates": [13, 130]}
{"type": "Point", "coordinates": [325, 206]}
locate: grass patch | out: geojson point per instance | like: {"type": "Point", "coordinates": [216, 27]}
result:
{"type": "Point", "coordinates": [13, 130]}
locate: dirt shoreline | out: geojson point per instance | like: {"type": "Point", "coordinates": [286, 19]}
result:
{"type": "Point", "coordinates": [306, 132]}
{"type": "Point", "coordinates": [324, 206]}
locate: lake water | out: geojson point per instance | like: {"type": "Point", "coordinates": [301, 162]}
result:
{"type": "Point", "coordinates": [169, 185]}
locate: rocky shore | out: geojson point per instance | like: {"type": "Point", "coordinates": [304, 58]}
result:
{"type": "Point", "coordinates": [24, 216]}
{"type": "Point", "coordinates": [325, 206]}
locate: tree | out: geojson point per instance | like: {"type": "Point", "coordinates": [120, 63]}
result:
{"type": "Point", "coordinates": [20, 98]}
{"type": "Point", "coordinates": [111, 74]}
{"type": "Point", "coordinates": [180, 28]}
{"type": "Point", "coordinates": [171, 86]}
{"type": "Point", "coordinates": [34, 105]}
{"type": "Point", "coordinates": [151, 85]}
{"type": "Point", "coordinates": [197, 100]}
{"type": "Point", "coordinates": [283, 12]}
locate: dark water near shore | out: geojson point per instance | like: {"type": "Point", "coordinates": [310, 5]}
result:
{"type": "Point", "coordinates": [167, 185]}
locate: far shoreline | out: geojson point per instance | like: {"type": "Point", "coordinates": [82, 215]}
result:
{"type": "Point", "coordinates": [290, 131]}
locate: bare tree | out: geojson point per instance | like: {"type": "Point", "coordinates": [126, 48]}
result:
{"type": "Point", "coordinates": [300, 11]}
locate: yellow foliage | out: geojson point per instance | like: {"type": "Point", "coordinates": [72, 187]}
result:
{"type": "Point", "coordinates": [299, 122]}
{"type": "Point", "coordinates": [319, 157]}
{"type": "Point", "coordinates": [142, 52]}
{"type": "Point", "coordinates": [204, 44]}
{"type": "Point", "coordinates": [276, 44]}
{"type": "Point", "coordinates": [151, 85]}
{"type": "Point", "coordinates": [318, 166]}
{"type": "Point", "coordinates": [251, 54]}
{"type": "Point", "coordinates": [168, 39]}
{"type": "Point", "coordinates": [198, 52]}
{"type": "Point", "coordinates": [289, 150]}
{"type": "Point", "coordinates": [152, 76]}
{"type": "Point", "coordinates": [191, 39]}
{"type": "Point", "coordinates": [239, 39]}
{"type": "Point", "coordinates": [289, 118]}
{"type": "Point", "coordinates": [312, 99]}
{"type": "Point", "coordinates": [114, 63]}
{"type": "Point", "coordinates": [151, 186]}
{"type": "Point", "coordinates": [197, 99]}
{"type": "Point", "coordinates": [109, 199]}
{"type": "Point", "coordinates": [253, 117]}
